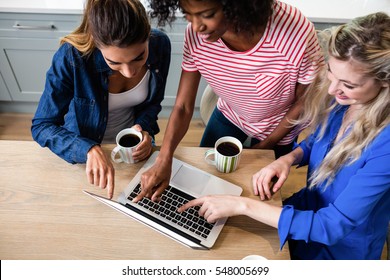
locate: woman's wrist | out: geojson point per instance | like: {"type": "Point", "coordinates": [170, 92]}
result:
{"type": "Point", "coordinates": [246, 206]}
{"type": "Point", "coordinates": [292, 158]}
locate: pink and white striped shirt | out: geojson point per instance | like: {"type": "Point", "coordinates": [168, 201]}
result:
{"type": "Point", "coordinates": [256, 88]}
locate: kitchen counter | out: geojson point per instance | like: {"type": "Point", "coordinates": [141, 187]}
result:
{"type": "Point", "coordinates": [331, 11]}
{"type": "Point", "coordinates": [316, 10]}
{"type": "Point", "coordinates": [338, 11]}
{"type": "Point", "coordinates": [42, 6]}
{"type": "Point", "coordinates": [45, 6]}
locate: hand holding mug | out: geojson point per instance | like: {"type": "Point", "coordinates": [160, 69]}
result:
{"type": "Point", "coordinates": [133, 145]}
{"type": "Point", "coordinates": [144, 149]}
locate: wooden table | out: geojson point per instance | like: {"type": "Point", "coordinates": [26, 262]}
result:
{"type": "Point", "coordinates": [45, 215]}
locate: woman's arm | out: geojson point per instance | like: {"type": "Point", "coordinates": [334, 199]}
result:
{"type": "Point", "coordinates": [284, 127]}
{"type": "Point", "coordinates": [221, 206]}
{"type": "Point", "coordinates": [156, 179]}
{"type": "Point", "coordinates": [48, 123]}
{"type": "Point", "coordinates": [360, 188]}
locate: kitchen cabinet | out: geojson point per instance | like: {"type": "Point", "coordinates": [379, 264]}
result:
{"type": "Point", "coordinates": [28, 42]}
{"type": "Point", "coordinates": [4, 94]}
{"type": "Point", "coordinates": [30, 33]}
{"type": "Point", "coordinates": [27, 45]}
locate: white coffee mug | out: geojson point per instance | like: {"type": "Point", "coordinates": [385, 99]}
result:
{"type": "Point", "coordinates": [254, 257]}
{"type": "Point", "coordinates": [127, 140]}
{"type": "Point", "coordinates": [227, 153]}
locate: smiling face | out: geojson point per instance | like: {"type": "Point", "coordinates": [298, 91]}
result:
{"type": "Point", "coordinates": [206, 17]}
{"type": "Point", "coordinates": [349, 85]}
{"type": "Point", "coordinates": [126, 60]}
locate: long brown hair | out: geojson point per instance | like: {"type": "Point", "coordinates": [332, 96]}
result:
{"type": "Point", "coordinates": [117, 23]}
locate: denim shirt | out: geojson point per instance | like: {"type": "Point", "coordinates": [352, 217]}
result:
{"type": "Point", "coordinates": [72, 113]}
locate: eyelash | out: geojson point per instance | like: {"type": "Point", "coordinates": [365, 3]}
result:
{"type": "Point", "coordinates": [209, 16]}
{"type": "Point", "coordinates": [187, 17]}
{"type": "Point", "coordinates": [137, 59]}
{"type": "Point", "coordinates": [347, 86]}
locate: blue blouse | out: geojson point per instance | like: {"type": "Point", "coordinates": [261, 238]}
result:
{"type": "Point", "coordinates": [72, 113]}
{"type": "Point", "coordinates": [349, 219]}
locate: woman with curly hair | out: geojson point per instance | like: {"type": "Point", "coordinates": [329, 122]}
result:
{"type": "Point", "coordinates": [344, 211]}
{"type": "Point", "coordinates": [258, 56]}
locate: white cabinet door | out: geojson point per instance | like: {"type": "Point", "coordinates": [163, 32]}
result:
{"type": "Point", "coordinates": [28, 42]}
{"type": "Point", "coordinates": [4, 94]}
{"type": "Point", "coordinates": [24, 63]}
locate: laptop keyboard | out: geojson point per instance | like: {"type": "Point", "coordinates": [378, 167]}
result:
{"type": "Point", "coordinates": [166, 208]}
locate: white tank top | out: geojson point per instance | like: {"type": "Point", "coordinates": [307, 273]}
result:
{"type": "Point", "coordinates": [121, 108]}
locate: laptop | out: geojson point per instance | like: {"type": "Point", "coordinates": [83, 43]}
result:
{"type": "Point", "coordinates": [187, 182]}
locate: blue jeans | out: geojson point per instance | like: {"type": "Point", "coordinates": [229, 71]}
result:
{"type": "Point", "coordinates": [219, 126]}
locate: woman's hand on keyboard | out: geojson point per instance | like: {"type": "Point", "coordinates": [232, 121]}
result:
{"type": "Point", "coordinates": [215, 207]}
{"type": "Point", "coordinates": [155, 180]}
{"type": "Point", "coordinates": [220, 206]}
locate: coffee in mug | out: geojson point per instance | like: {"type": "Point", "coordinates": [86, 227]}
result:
{"type": "Point", "coordinates": [227, 153]}
{"type": "Point", "coordinates": [228, 149]}
{"type": "Point", "coordinates": [127, 141]}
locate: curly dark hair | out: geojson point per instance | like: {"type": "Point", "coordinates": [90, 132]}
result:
{"type": "Point", "coordinates": [242, 14]}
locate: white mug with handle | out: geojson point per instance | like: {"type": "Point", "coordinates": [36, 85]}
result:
{"type": "Point", "coordinates": [127, 141]}
{"type": "Point", "coordinates": [227, 153]}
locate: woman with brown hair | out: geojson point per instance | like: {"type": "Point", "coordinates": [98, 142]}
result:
{"type": "Point", "coordinates": [109, 74]}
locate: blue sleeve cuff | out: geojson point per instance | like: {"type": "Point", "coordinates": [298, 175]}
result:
{"type": "Point", "coordinates": [306, 153]}
{"type": "Point", "coordinates": [294, 224]}
{"type": "Point", "coordinates": [81, 149]}
{"type": "Point", "coordinates": [284, 224]}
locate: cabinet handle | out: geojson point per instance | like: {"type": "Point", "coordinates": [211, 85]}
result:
{"type": "Point", "coordinates": [46, 27]}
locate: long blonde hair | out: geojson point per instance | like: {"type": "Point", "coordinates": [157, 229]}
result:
{"type": "Point", "coordinates": [365, 40]}
{"type": "Point", "coordinates": [117, 23]}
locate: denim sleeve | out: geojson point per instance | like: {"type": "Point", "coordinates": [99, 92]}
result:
{"type": "Point", "coordinates": [147, 112]}
{"type": "Point", "coordinates": [47, 125]}
{"type": "Point", "coordinates": [363, 191]}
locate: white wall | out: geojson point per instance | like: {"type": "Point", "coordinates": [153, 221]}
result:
{"type": "Point", "coordinates": [339, 10]}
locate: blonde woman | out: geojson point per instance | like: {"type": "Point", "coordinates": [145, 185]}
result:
{"type": "Point", "coordinates": [109, 74]}
{"type": "Point", "coordinates": [344, 211]}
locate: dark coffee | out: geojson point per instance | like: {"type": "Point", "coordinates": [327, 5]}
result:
{"type": "Point", "coordinates": [129, 140]}
{"type": "Point", "coordinates": [228, 149]}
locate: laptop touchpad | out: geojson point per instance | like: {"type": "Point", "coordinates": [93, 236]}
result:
{"type": "Point", "coordinates": [190, 180]}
